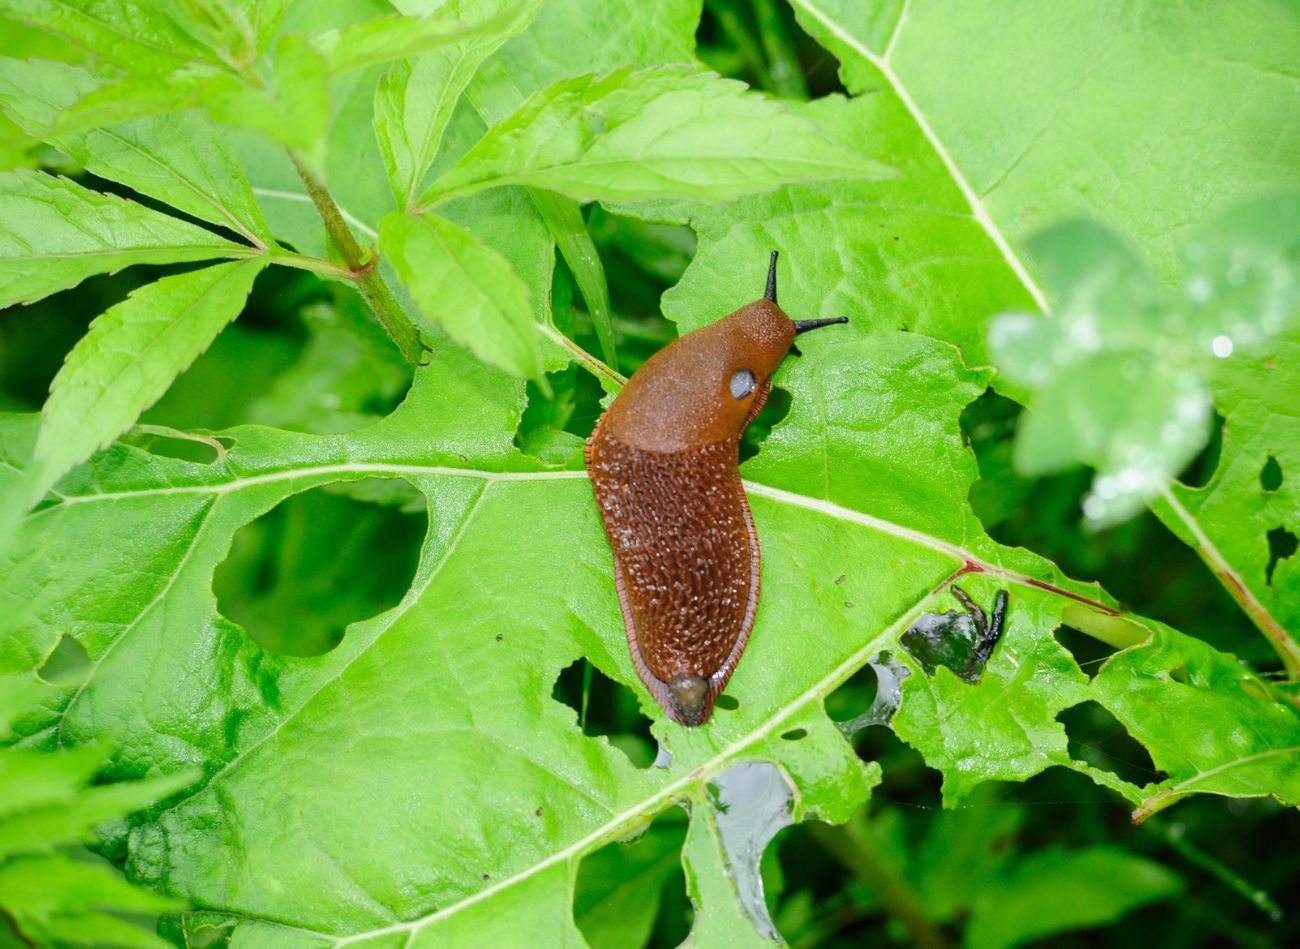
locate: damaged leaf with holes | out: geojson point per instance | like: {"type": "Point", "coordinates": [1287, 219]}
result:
{"type": "Point", "coordinates": [371, 600]}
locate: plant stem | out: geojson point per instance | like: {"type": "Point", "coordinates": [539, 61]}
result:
{"type": "Point", "coordinates": [852, 845]}
{"type": "Point", "coordinates": [311, 264]}
{"type": "Point", "coordinates": [363, 267]}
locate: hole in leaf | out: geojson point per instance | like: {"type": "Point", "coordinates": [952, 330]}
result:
{"type": "Point", "coordinates": [1097, 738]}
{"type": "Point", "coordinates": [1201, 469]}
{"type": "Point", "coordinates": [67, 663]}
{"type": "Point", "coordinates": [774, 410]}
{"type": "Point", "coordinates": [1270, 476]}
{"type": "Point", "coordinates": [608, 708]}
{"type": "Point", "coordinates": [1088, 653]}
{"type": "Point", "coordinates": [855, 696]}
{"type": "Point", "coordinates": [172, 443]}
{"type": "Point", "coordinates": [870, 696]}
{"type": "Point", "coordinates": [727, 702]}
{"type": "Point", "coordinates": [556, 429]}
{"type": "Point", "coordinates": [1179, 674]}
{"type": "Point", "coordinates": [1281, 545]}
{"type": "Point", "coordinates": [633, 893]}
{"type": "Point", "coordinates": [296, 577]}
{"type": "Point", "coordinates": [795, 734]}
{"type": "Point", "coordinates": [905, 777]}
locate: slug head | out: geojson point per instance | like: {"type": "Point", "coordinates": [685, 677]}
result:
{"type": "Point", "coordinates": [706, 387]}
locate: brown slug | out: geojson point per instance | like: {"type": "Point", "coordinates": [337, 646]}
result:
{"type": "Point", "coordinates": [664, 462]}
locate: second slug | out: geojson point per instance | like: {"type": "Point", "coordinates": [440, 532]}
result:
{"type": "Point", "coordinates": [664, 462]}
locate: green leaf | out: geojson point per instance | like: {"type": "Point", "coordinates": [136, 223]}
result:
{"type": "Point", "coordinates": [178, 159]}
{"type": "Point", "coordinates": [294, 110]}
{"type": "Point", "coordinates": [1120, 374]}
{"type": "Point", "coordinates": [883, 485]}
{"type": "Point", "coordinates": [385, 39]}
{"type": "Point", "coordinates": [495, 96]}
{"type": "Point", "coordinates": [129, 357]}
{"type": "Point", "coordinates": [632, 135]}
{"type": "Point", "coordinates": [1103, 884]}
{"type": "Point", "coordinates": [415, 99]}
{"type": "Point", "coordinates": [465, 286]}
{"type": "Point", "coordinates": [49, 892]}
{"type": "Point", "coordinates": [1238, 522]}
{"type": "Point", "coordinates": [57, 233]}
{"type": "Point", "coordinates": [137, 38]}
{"type": "Point", "coordinates": [1041, 83]}
{"type": "Point", "coordinates": [132, 98]}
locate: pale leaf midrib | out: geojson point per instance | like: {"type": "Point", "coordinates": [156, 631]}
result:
{"type": "Point", "coordinates": [980, 213]}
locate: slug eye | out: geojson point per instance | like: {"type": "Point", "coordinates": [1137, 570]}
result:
{"type": "Point", "coordinates": [742, 383]}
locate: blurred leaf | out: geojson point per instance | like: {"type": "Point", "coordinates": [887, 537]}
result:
{"type": "Point", "coordinates": [385, 39]}
{"type": "Point", "coordinates": [137, 38]}
{"type": "Point", "coordinates": [1120, 374]}
{"type": "Point", "coordinates": [1102, 883]}
{"type": "Point", "coordinates": [633, 135]}
{"type": "Point", "coordinates": [129, 357]}
{"type": "Point", "coordinates": [294, 110]}
{"type": "Point", "coordinates": [54, 234]}
{"type": "Point", "coordinates": [50, 891]}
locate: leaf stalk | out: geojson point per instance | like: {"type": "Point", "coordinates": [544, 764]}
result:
{"type": "Point", "coordinates": [362, 269]}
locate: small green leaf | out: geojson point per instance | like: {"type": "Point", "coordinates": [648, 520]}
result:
{"type": "Point", "coordinates": [179, 159]}
{"type": "Point", "coordinates": [128, 358]}
{"type": "Point", "coordinates": [465, 286]}
{"type": "Point", "coordinates": [635, 135]}
{"type": "Point", "coordinates": [134, 97]}
{"type": "Point", "coordinates": [1120, 373]}
{"type": "Point", "coordinates": [137, 38]}
{"type": "Point", "coordinates": [415, 99]}
{"type": "Point", "coordinates": [385, 39]}
{"type": "Point", "coordinates": [54, 234]}
{"type": "Point", "coordinates": [294, 111]}
{"type": "Point", "coordinates": [49, 892]}
{"type": "Point", "coordinates": [1135, 418]}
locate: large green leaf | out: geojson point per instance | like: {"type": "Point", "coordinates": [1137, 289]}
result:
{"type": "Point", "coordinates": [1051, 116]}
{"type": "Point", "coordinates": [427, 698]}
